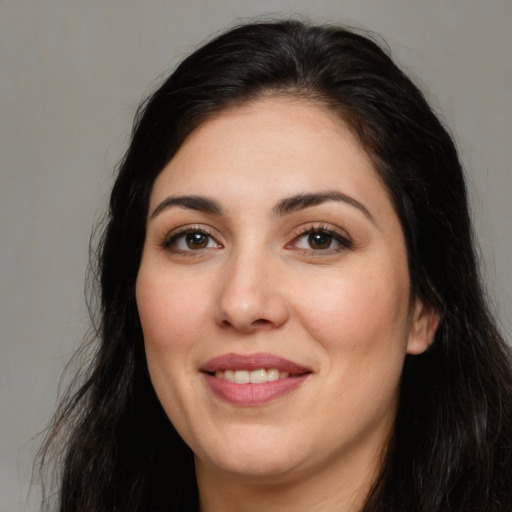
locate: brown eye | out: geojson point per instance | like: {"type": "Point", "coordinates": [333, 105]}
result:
{"type": "Point", "coordinates": [196, 240]}
{"type": "Point", "coordinates": [190, 240]}
{"type": "Point", "coordinates": [320, 240]}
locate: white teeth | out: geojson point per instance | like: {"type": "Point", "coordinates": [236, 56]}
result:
{"type": "Point", "coordinates": [273, 374]}
{"type": "Point", "coordinates": [259, 376]}
{"type": "Point", "coordinates": [242, 376]}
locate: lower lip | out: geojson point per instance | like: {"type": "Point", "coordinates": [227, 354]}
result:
{"type": "Point", "coordinates": [247, 395]}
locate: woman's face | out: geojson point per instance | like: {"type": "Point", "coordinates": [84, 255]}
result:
{"type": "Point", "coordinates": [273, 255]}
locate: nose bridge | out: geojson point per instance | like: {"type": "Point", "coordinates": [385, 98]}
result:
{"type": "Point", "coordinates": [250, 297]}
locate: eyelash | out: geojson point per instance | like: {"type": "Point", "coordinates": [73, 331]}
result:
{"type": "Point", "coordinates": [344, 242]}
{"type": "Point", "coordinates": [170, 242]}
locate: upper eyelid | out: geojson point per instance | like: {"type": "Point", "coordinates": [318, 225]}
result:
{"type": "Point", "coordinates": [342, 237]}
{"type": "Point", "coordinates": [337, 231]}
{"type": "Point", "coordinates": [188, 228]}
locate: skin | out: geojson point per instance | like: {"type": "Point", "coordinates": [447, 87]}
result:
{"type": "Point", "coordinates": [259, 284]}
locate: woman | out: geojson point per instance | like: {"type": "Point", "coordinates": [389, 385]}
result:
{"type": "Point", "coordinates": [291, 313]}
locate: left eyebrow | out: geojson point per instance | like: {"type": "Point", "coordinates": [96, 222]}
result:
{"type": "Point", "coordinates": [198, 203]}
{"type": "Point", "coordinates": [301, 201]}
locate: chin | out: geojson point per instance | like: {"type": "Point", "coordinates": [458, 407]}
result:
{"type": "Point", "coordinates": [262, 470]}
{"type": "Point", "coordinates": [255, 454]}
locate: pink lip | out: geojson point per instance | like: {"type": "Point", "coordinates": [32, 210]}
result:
{"type": "Point", "coordinates": [251, 362]}
{"type": "Point", "coordinates": [246, 395]}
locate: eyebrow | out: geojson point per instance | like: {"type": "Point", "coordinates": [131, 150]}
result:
{"type": "Point", "coordinates": [301, 201]}
{"type": "Point", "coordinates": [198, 203]}
{"type": "Point", "coordinates": [283, 207]}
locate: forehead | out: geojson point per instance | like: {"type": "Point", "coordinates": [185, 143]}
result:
{"type": "Point", "coordinates": [269, 148]}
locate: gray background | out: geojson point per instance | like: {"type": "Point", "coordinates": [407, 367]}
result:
{"type": "Point", "coordinates": [72, 73]}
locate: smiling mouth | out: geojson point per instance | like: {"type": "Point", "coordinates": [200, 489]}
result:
{"type": "Point", "coordinates": [252, 368]}
{"type": "Point", "coordinates": [255, 379]}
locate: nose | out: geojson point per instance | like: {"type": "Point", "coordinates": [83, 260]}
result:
{"type": "Point", "coordinates": [251, 296]}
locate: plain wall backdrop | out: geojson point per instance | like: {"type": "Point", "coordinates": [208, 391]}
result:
{"type": "Point", "coordinates": [72, 74]}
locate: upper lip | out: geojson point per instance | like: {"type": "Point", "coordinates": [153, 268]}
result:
{"type": "Point", "coordinates": [252, 362]}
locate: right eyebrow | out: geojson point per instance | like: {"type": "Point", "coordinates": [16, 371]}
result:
{"type": "Point", "coordinates": [302, 201]}
{"type": "Point", "coordinates": [198, 203]}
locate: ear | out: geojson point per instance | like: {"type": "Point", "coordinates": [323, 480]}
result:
{"type": "Point", "coordinates": [423, 325]}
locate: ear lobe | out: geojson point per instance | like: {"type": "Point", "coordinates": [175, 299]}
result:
{"type": "Point", "coordinates": [424, 322]}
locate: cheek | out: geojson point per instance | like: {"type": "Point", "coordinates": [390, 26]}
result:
{"type": "Point", "coordinates": [363, 312]}
{"type": "Point", "coordinates": [172, 311]}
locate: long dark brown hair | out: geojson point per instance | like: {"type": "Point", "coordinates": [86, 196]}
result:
{"type": "Point", "coordinates": [452, 443]}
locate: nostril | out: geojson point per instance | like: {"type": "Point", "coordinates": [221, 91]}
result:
{"type": "Point", "coordinates": [225, 324]}
{"type": "Point", "coordinates": [255, 324]}
{"type": "Point", "coordinates": [261, 321]}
